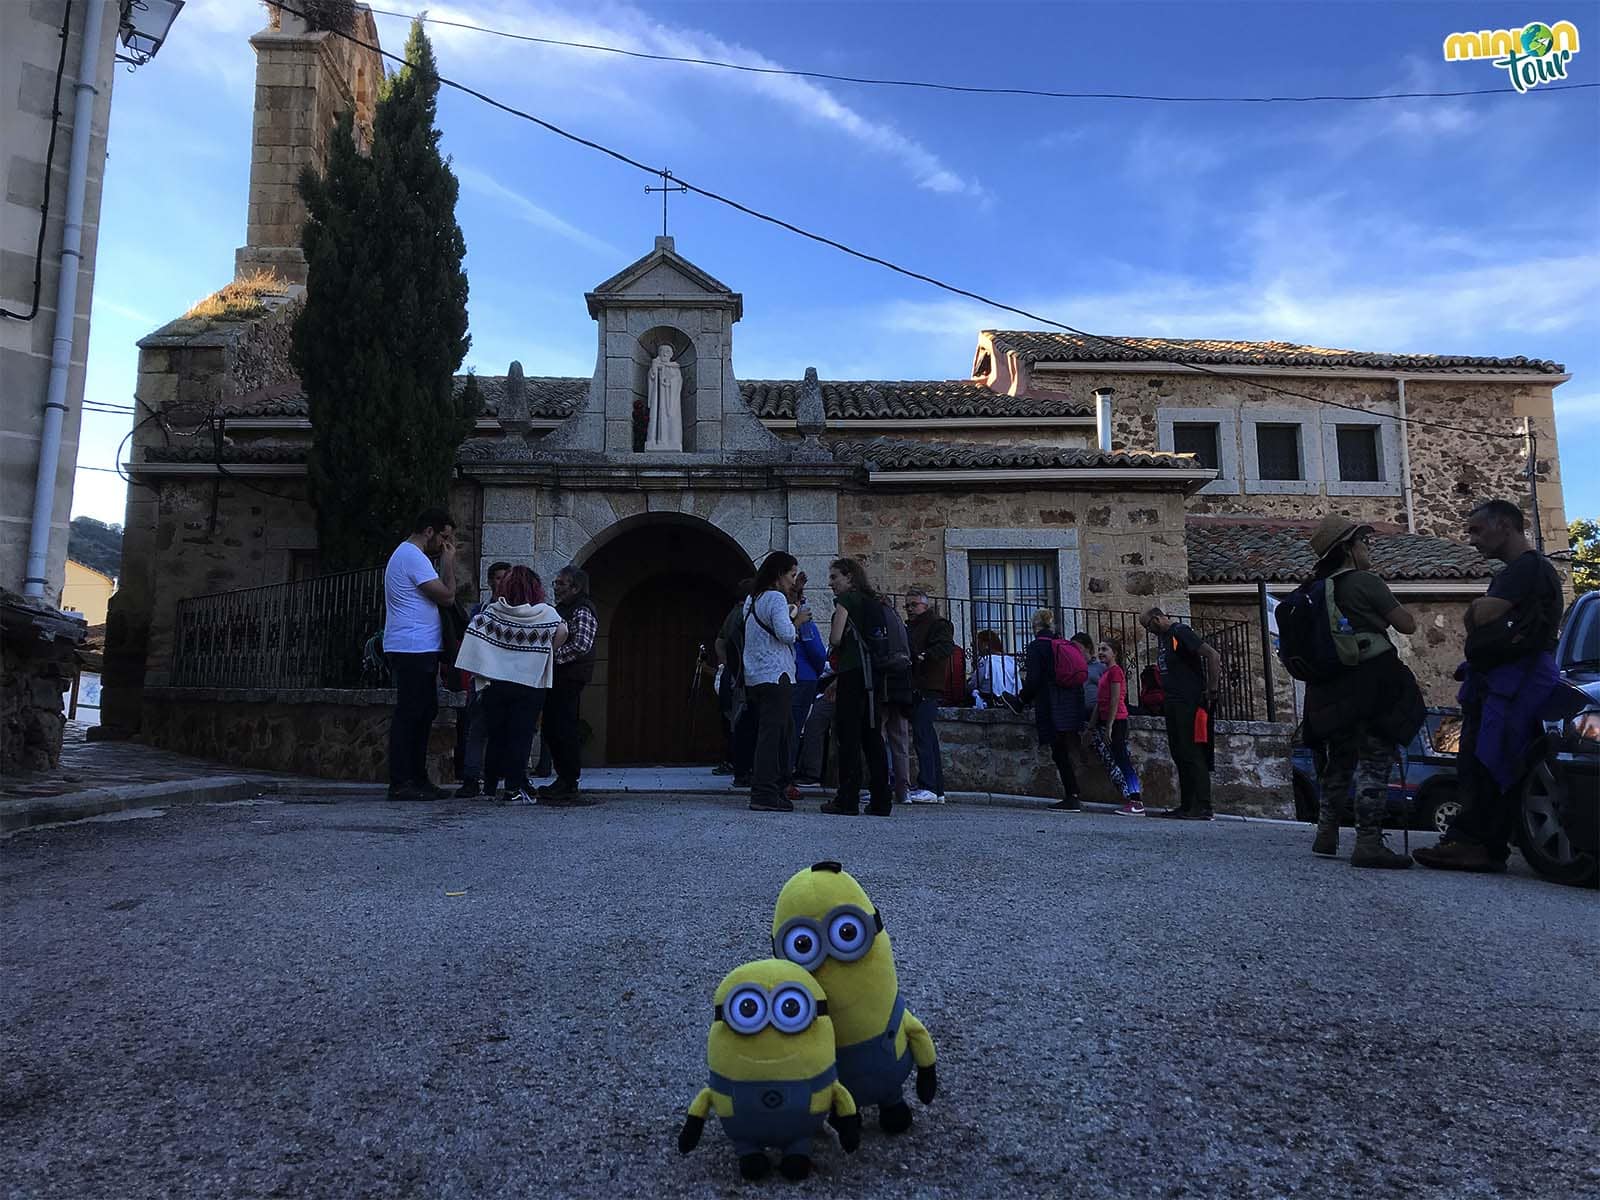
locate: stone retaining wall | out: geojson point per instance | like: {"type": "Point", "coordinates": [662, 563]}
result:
{"type": "Point", "coordinates": [997, 751]}
{"type": "Point", "coordinates": [343, 734]}
{"type": "Point", "coordinates": [333, 734]}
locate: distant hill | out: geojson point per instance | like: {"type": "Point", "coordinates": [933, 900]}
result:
{"type": "Point", "coordinates": [96, 544]}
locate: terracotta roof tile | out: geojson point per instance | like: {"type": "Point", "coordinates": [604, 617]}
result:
{"type": "Point", "coordinates": [1279, 552]}
{"type": "Point", "coordinates": [1034, 345]}
{"type": "Point", "coordinates": [880, 399]}
{"type": "Point", "coordinates": [894, 454]}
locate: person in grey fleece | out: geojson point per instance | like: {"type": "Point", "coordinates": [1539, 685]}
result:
{"type": "Point", "coordinates": [769, 673]}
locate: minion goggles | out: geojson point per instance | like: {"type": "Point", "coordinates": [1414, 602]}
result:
{"type": "Point", "coordinates": [845, 935]}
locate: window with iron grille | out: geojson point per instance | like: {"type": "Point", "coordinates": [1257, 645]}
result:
{"type": "Point", "coordinates": [1360, 457]}
{"type": "Point", "coordinates": [1200, 439]}
{"type": "Point", "coordinates": [1006, 587]}
{"type": "Point", "coordinates": [1278, 452]}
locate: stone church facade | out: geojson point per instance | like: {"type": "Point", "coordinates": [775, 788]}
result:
{"type": "Point", "coordinates": [1184, 490]}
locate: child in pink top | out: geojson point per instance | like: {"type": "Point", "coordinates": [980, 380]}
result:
{"type": "Point", "coordinates": [1108, 732]}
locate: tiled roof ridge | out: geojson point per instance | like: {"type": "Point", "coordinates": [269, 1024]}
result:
{"type": "Point", "coordinates": [1035, 345]}
{"type": "Point", "coordinates": [1286, 524]}
{"type": "Point", "coordinates": [1237, 551]}
{"type": "Point", "coordinates": [901, 454]}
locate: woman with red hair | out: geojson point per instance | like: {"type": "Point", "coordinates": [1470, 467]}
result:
{"type": "Point", "coordinates": [509, 648]}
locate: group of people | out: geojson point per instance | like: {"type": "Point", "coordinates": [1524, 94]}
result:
{"type": "Point", "coordinates": [874, 682]}
{"type": "Point", "coordinates": [523, 660]}
{"type": "Point", "coordinates": [783, 688]}
{"type": "Point", "coordinates": [1358, 718]}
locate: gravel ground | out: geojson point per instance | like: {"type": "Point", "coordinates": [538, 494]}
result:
{"type": "Point", "coordinates": [268, 999]}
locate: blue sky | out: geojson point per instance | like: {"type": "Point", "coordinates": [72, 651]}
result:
{"type": "Point", "coordinates": [1465, 226]}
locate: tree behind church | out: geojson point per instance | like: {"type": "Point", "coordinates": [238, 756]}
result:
{"type": "Point", "coordinates": [384, 326]}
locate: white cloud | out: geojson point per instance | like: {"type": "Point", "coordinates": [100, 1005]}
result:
{"type": "Point", "coordinates": [650, 85]}
{"type": "Point", "coordinates": [540, 218]}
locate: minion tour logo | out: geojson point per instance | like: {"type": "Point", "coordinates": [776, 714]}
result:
{"type": "Point", "coordinates": [1534, 54]}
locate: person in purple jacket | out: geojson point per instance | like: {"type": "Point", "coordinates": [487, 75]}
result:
{"type": "Point", "coordinates": [1509, 673]}
{"type": "Point", "coordinates": [810, 661]}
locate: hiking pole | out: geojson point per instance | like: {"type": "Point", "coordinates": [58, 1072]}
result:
{"type": "Point", "coordinates": [1405, 804]}
{"type": "Point", "coordinates": [694, 688]}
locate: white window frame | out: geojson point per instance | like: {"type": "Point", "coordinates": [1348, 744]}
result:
{"type": "Point", "coordinates": [958, 543]}
{"type": "Point", "coordinates": [1388, 454]}
{"type": "Point", "coordinates": [1227, 422]}
{"type": "Point", "coordinates": [1310, 481]}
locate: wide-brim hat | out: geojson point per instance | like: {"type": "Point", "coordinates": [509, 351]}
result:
{"type": "Point", "coordinates": [1333, 532]}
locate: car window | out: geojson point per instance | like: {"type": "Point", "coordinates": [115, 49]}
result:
{"type": "Point", "coordinates": [1581, 641]}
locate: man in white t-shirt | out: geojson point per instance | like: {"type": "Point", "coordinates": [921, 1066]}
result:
{"type": "Point", "coordinates": [413, 593]}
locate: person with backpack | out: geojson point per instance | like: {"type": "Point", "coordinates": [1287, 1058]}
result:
{"type": "Point", "coordinates": [810, 661]}
{"type": "Point", "coordinates": [1191, 673]}
{"type": "Point", "coordinates": [769, 671]}
{"type": "Point", "coordinates": [737, 720]}
{"type": "Point", "coordinates": [1053, 683]}
{"type": "Point", "coordinates": [933, 647]}
{"type": "Point", "coordinates": [857, 625]}
{"type": "Point", "coordinates": [1510, 674]}
{"type": "Point", "coordinates": [1362, 703]}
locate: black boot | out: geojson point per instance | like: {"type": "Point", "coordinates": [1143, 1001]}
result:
{"type": "Point", "coordinates": [754, 1166]}
{"type": "Point", "coordinates": [794, 1167]}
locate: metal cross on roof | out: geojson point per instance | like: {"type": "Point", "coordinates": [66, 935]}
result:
{"type": "Point", "coordinates": [664, 189]}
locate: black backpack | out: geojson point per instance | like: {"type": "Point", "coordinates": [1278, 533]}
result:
{"type": "Point", "coordinates": [885, 639]}
{"type": "Point", "coordinates": [1315, 639]}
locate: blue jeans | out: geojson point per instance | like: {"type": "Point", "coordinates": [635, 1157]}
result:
{"type": "Point", "coordinates": [925, 737]}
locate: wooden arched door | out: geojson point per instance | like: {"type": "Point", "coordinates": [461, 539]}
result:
{"type": "Point", "coordinates": [655, 632]}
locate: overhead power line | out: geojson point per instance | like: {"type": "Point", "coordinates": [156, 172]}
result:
{"type": "Point", "coordinates": [968, 89]}
{"type": "Point", "coordinates": [1140, 352]}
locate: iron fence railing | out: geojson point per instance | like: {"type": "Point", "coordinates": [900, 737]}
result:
{"type": "Point", "coordinates": [307, 634]}
{"type": "Point", "coordinates": [1005, 627]}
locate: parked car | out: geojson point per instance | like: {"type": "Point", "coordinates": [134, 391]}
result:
{"type": "Point", "coordinates": [1422, 786]}
{"type": "Point", "coordinates": [1558, 830]}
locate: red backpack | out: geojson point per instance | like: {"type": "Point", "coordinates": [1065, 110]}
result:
{"type": "Point", "coordinates": [955, 678]}
{"type": "Point", "coordinates": [1072, 670]}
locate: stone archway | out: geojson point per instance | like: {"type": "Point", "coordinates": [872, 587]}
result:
{"type": "Point", "coordinates": [661, 584]}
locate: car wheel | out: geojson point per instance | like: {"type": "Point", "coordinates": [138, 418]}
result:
{"type": "Point", "coordinates": [1439, 807]}
{"type": "Point", "coordinates": [1305, 800]}
{"type": "Point", "coordinates": [1540, 836]}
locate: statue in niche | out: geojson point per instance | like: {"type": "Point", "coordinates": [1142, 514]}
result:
{"type": "Point", "coordinates": [666, 403]}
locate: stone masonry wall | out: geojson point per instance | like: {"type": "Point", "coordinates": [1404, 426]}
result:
{"type": "Point", "coordinates": [992, 750]}
{"type": "Point", "coordinates": [325, 733]}
{"type": "Point", "coordinates": [1130, 544]}
{"type": "Point", "coordinates": [1449, 470]}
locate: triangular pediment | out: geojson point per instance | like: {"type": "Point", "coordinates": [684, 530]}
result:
{"type": "Point", "coordinates": [664, 274]}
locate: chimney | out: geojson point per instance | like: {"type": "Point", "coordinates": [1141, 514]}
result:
{"type": "Point", "coordinates": [305, 80]}
{"type": "Point", "coordinates": [1102, 416]}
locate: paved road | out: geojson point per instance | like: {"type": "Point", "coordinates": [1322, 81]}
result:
{"type": "Point", "coordinates": [275, 999]}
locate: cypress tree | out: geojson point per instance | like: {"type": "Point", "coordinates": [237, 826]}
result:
{"type": "Point", "coordinates": [384, 325]}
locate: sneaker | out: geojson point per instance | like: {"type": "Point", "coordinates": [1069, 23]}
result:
{"type": "Point", "coordinates": [781, 804]}
{"type": "Point", "coordinates": [470, 789]}
{"type": "Point", "coordinates": [1070, 805]}
{"type": "Point", "coordinates": [519, 798]}
{"type": "Point", "coordinates": [1131, 807]}
{"type": "Point", "coordinates": [791, 793]}
{"type": "Point", "coordinates": [880, 810]}
{"type": "Point", "coordinates": [1199, 814]}
{"type": "Point", "coordinates": [1171, 814]}
{"type": "Point", "coordinates": [722, 768]}
{"type": "Point", "coordinates": [922, 796]}
{"type": "Point", "coordinates": [1458, 856]}
{"type": "Point", "coordinates": [834, 808]}
{"type": "Point", "coordinates": [742, 781]}
{"type": "Point", "coordinates": [939, 799]}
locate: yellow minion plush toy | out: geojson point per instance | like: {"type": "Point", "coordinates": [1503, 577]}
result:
{"type": "Point", "coordinates": [825, 923]}
{"type": "Point", "coordinates": [773, 1079]}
